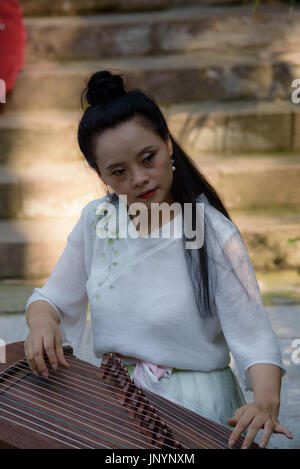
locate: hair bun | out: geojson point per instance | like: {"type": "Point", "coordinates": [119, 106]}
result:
{"type": "Point", "coordinates": [103, 87]}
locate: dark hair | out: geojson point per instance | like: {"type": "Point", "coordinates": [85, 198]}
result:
{"type": "Point", "coordinates": [111, 105]}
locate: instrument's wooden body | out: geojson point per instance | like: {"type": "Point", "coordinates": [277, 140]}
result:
{"type": "Point", "coordinates": [89, 407]}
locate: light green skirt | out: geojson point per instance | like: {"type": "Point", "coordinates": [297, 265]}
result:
{"type": "Point", "coordinates": [213, 394]}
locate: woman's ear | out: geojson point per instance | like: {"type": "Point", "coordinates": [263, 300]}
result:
{"type": "Point", "coordinates": [170, 146]}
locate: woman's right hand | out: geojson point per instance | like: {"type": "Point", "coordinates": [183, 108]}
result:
{"type": "Point", "coordinates": [44, 335]}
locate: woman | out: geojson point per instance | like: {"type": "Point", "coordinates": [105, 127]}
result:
{"type": "Point", "coordinates": [172, 311]}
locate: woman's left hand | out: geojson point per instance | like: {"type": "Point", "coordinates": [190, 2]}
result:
{"type": "Point", "coordinates": [258, 415]}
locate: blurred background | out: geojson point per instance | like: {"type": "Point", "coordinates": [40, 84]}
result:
{"type": "Point", "coordinates": [225, 75]}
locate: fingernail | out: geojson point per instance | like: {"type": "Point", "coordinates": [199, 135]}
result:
{"type": "Point", "coordinates": [231, 442]}
{"type": "Point", "coordinates": [54, 366]}
{"type": "Point", "coordinates": [262, 444]}
{"type": "Point", "coordinates": [244, 447]}
{"type": "Point", "coordinates": [45, 374]}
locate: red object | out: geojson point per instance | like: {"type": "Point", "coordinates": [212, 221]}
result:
{"type": "Point", "coordinates": [148, 195]}
{"type": "Point", "coordinates": [13, 37]}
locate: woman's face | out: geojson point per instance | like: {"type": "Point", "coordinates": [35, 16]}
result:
{"type": "Point", "coordinates": [128, 168]}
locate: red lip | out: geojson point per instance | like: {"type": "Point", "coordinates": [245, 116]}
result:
{"type": "Point", "coordinates": [143, 194]}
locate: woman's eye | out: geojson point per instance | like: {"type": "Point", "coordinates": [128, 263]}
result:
{"type": "Point", "coordinates": [118, 171]}
{"type": "Point", "coordinates": [150, 156]}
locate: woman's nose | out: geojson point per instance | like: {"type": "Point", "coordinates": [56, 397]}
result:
{"type": "Point", "coordinates": [139, 178]}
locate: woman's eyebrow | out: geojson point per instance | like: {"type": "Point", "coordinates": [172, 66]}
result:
{"type": "Point", "coordinates": [148, 147]}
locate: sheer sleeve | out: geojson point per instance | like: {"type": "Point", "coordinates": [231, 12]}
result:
{"type": "Point", "coordinates": [65, 289]}
{"type": "Point", "coordinates": [244, 321]}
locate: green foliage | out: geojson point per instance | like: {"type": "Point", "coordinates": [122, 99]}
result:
{"type": "Point", "coordinates": [293, 240]}
{"type": "Point", "coordinates": [256, 3]}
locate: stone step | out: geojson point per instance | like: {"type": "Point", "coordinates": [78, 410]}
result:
{"type": "Point", "coordinates": [84, 7]}
{"type": "Point", "coordinates": [61, 189]}
{"type": "Point", "coordinates": [41, 190]}
{"type": "Point", "coordinates": [236, 126]}
{"type": "Point", "coordinates": [31, 248]}
{"type": "Point", "coordinates": [27, 137]}
{"type": "Point", "coordinates": [255, 181]}
{"type": "Point", "coordinates": [212, 127]}
{"type": "Point", "coordinates": [206, 75]}
{"type": "Point", "coordinates": [271, 235]}
{"type": "Point", "coordinates": [162, 32]}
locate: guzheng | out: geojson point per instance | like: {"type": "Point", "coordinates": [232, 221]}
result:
{"type": "Point", "coordinates": [87, 407]}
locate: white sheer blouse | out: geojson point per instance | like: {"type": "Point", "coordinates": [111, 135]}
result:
{"type": "Point", "coordinates": [142, 303]}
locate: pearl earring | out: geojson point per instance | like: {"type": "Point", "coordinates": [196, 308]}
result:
{"type": "Point", "coordinates": [173, 167]}
{"type": "Point", "coordinates": [109, 195]}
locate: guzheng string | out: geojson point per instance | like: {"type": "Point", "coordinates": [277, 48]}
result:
{"type": "Point", "coordinates": [77, 417]}
{"type": "Point", "coordinates": [52, 380]}
{"type": "Point", "coordinates": [214, 434]}
{"type": "Point", "coordinates": [165, 411]}
{"type": "Point", "coordinates": [183, 422]}
{"type": "Point", "coordinates": [122, 427]}
{"type": "Point", "coordinates": [171, 395]}
{"type": "Point", "coordinates": [176, 397]}
{"type": "Point", "coordinates": [31, 429]}
{"type": "Point", "coordinates": [86, 354]}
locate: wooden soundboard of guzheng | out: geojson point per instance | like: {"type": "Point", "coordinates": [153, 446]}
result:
{"type": "Point", "coordinates": [88, 407]}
